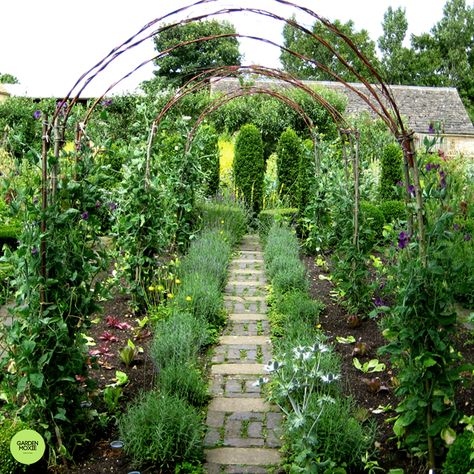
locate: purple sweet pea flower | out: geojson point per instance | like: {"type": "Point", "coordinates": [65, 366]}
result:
{"type": "Point", "coordinates": [403, 240]}
{"type": "Point", "coordinates": [98, 204]}
{"type": "Point", "coordinates": [400, 183]}
{"type": "Point", "coordinates": [34, 251]}
{"type": "Point", "coordinates": [411, 190]}
{"type": "Point", "coordinates": [37, 114]}
{"type": "Point", "coordinates": [106, 102]}
{"type": "Point", "coordinates": [431, 128]}
{"type": "Point", "coordinates": [85, 215]}
{"type": "Point", "coordinates": [112, 206]}
{"type": "Point", "coordinates": [467, 237]}
{"type": "Point", "coordinates": [442, 179]}
{"type": "Point", "coordinates": [456, 227]}
{"type": "Point", "coordinates": [378, 302]}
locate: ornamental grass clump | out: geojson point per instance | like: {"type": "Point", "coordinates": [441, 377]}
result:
{"type": "Point", "coordinates": [161, 430]}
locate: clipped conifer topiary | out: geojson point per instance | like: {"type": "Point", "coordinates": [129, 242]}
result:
{"type": "Point", "coordinates": [391, 171]}
{"type": "Point", "coordinates": [289, 152]}
{"type": "Point", "coordinates": [249, 166]}
{"type": "Point", "coordinates": [207, 150]}
{"type": "Point", "coordinates": [306, 176]}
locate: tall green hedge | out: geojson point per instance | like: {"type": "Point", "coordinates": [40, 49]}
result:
{"type": "Point", "coordinates": [207, 150]}
{"type": "Point", "coordinates": [249, 166]}
{"type": "Point", "coordinates": [289, 152]}
{"type": "Point", "coordinates": [391, 172]}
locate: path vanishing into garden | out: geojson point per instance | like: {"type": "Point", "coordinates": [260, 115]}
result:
{"type": "Point", "coordinates": [242, 428]}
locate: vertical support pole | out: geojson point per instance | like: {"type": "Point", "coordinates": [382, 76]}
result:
{"type": "Point", "coordinates": [342, 134]}
{"type": "Point", "coordinates": [148, 155]}
{"type": "Point", "coordinates": [317, 156]}
{"type": "Point", "coordinates": [356, 172]}
{"type": "Point", "coordinates": [44, 206]}
{"type": "Point", "coordinates": [58, 141]}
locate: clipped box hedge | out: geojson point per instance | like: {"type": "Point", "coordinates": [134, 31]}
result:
{"type": "Point", "coordinates": [269, 216]}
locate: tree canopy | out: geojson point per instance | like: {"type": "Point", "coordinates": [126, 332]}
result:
{"type": "Point", "coordinates": [181, 64]}
{"type": "Point", "coordinates": [8, 79]}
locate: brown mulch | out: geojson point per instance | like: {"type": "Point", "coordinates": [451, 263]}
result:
{"type": "Point", "coordinates": [363, 389]}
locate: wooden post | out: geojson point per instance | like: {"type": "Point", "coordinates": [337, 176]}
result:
{"type": "Point", "coordinates": [148, 154]}
{"type": "Point", "coordinates": [44, 206]}
{"type": "Point", "coordinates": [342, 134]}
{"type": "Point", "coordinates": [317, 156]}
{"type": "Point", "coordinates": [58, 142]}
{"type": "Point", "coordinates": [356, 172]}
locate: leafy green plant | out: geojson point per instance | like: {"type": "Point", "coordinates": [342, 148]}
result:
{"type": "Point", "coordinates": [373, 365]}
{"type": "Point", "coordinates": [161, 429]}
{"type": "Point", "coordinates": [112, 396]}
{"type": "Point", "coordinates": [249, 166]}
{"type": "Point", "coordinates": [129, 353]}
{"type": "Point", "coordinates": [8, 429]}
{"type": "Point", "coordinates": [205, 146]}
{"type": "Point", "coordinates": [185, 381]}
{"type": "Point", "coordinates": [393, 211]}
{"type": "Point", "coordinates": [289, 152]}
{"type": "Point", "coordinates": [268, 217]}
{"type": "Point", "coordinates": [460, 455]}
{"type": "Point", "coordinates": [391, 171]}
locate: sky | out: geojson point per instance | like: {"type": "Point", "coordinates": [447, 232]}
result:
{"type": "Point", "coordinates": [49, 44]}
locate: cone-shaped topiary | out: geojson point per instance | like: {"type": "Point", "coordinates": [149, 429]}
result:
{"type": "Point", "coordinates": [306, 176]}
{"type": "Point", "coordinates": [249, 166]}
{"type": "Point", "coordinates": [289, 151]}
{"type": "Point", "coordinates": [207, 150]}
{"type": "Point", "coordinates": [391, 172]}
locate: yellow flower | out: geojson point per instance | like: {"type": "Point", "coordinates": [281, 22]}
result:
{"type": "Point", "coordinates": [151, 288]}
{"type": "Point", "coordinates": [160, 288]}
{"type": "Point", "coordinates": [221, 232]}
{"type": "Point", "coordinates": [222, 222]}
{"type": "Point", "coordinates": [189, 298]}
{"type": "Point", "coordinates": [170, 296]}
{"type": "Point", "coordinates": [177, 281]}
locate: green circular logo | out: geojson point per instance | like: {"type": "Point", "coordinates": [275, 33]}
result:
{"type": "Point", "coordinates": [27, 446]}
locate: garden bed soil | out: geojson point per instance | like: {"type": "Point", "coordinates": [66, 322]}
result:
{"type": "Point", "coordinates": [334, 324]}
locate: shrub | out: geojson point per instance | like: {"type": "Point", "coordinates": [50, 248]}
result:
{"type": "Point", "coordinates": [206, 147]}
{"type": "Point", "coordinates": [161, 429]}
{"type": "Point", "coordinates": [289, 152]}
{"type": "Point", "coordinates": [231, 219]}
{"type": "Point", "coordinates": [459, 455]}
{"type": "Point", "coordinates": [280, 240]}
{"type": "Point", "coordinates": [371, 224]}
{"type": "Point", "coordinates": [8, 429]}
{"type": "Point", "coordinates": [185, 381]}
{"type": "Point", "coordinates": [298, 305]}
{"type": "Point", "coordinates": [200, 295]}
{"type": "Point", "coordinates": [269, 216]}
{"type": "Point", "coordinates": [306, 176]}
{"type": "Point", "coordinates": [9, 234]}
{"type": "Point", "coordinates": [178, 339]}
{"type": "Point", "coordinates": [393, 210]}
{"type": "Point", "coordinates": [287, 274]}
{"type": "Point", "coordinates": [391, 171]}
{"type": "Point", "coordinates": [209, 256]}
{"type": "Point", "coordinates": [249, 166]}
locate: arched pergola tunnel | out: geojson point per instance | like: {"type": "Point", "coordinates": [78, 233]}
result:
{"type": "Point", "coordinates": [377, 96]}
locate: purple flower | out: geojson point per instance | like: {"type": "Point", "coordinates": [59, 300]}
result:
{"type": "Point", "coordinates": [411, 189]}
{"type": "Point", "coordinates": [400, 183]}
{"type": "Point", "coordinates": [85, 215]}
{"type": "Point", "coordinates": [379, 302]}
{"type": "Point", "coordinates": [106, 102]}
{"type": "Point", "coordinates": [34, 251]}
{"type": "Point", "coordinates": [112, 206]}
{"type": "Point", "coordinates": [431, 166]}
{"type": "Point", "coordinates": [35, 200]}
{"type": "Point", "coordinates": [37, 114]}
{"type": "Point", "coordinates": [431, 128]}
{"type": "Point", "coordinates": [467, 237]}
{"type": "Point", "coordinates": [98, 204]}
{"type": "Point", "coordinates": [442, 179]}
{"type": "Point", "coordinates": [403, 240]}
{"type": "Point", "coordinates": [456, 227]}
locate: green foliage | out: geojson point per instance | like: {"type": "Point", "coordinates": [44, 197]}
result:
{"type": "Point", "coordinates": [391, 171]}
{"type": "Point", "coordinates": [306, 176]}
{"type": "Point", "coordinates": [185, 381]}
{"type": "Point", "coordinates": [206, 149]}
{"type": "Point", "coordinates": [268, 217]}
{"type": "Point", "coordinates": [6, 78]}
{"type": "Point", "coordinates": [178, 339]}
{"type": "Point", "coordinates": [8, 429]}
{"type": "Point", "coordinates": [273, 117]}
{"type": "Point", "coordinates": [201, 296]}
{"type": "Point", "coordinates": [289, 153]}
{"type": "Point", "coordinates": [371, 224]}
{"type": "Point", "coordinates": [228, 218]}
{"type": "Point", "coordinates": [304, 44]}
{"type": "Point", "coordinates": [393, 211]}
{"type": "Point", "coordinates": [249, 166]}
{"type": "Point", "coordinates": [181, 64]}
{"type": "Point", "coordinates": [459, 458]}
{"type": "Point", "coordinates": [162, 430]}
{"type": "Point", "coordinates": [9, 234]}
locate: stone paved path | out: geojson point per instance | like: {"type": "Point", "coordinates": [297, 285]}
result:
{"type": "Point", "coordinates": [243, 430]}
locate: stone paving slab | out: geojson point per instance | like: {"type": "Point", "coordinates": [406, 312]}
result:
{"type": "Point", "coordinates": [247, 317]}
{"type": "Point", "coordinates": [244, 298]}
{"type": "Point", "coordinates": [245, 340]}
{"type": "Point", "coordinates": [243, 456]}
{"type": "Point", "coordinates": [232, 369]}
{"type": "Point", "coordinates": [235, 405]}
